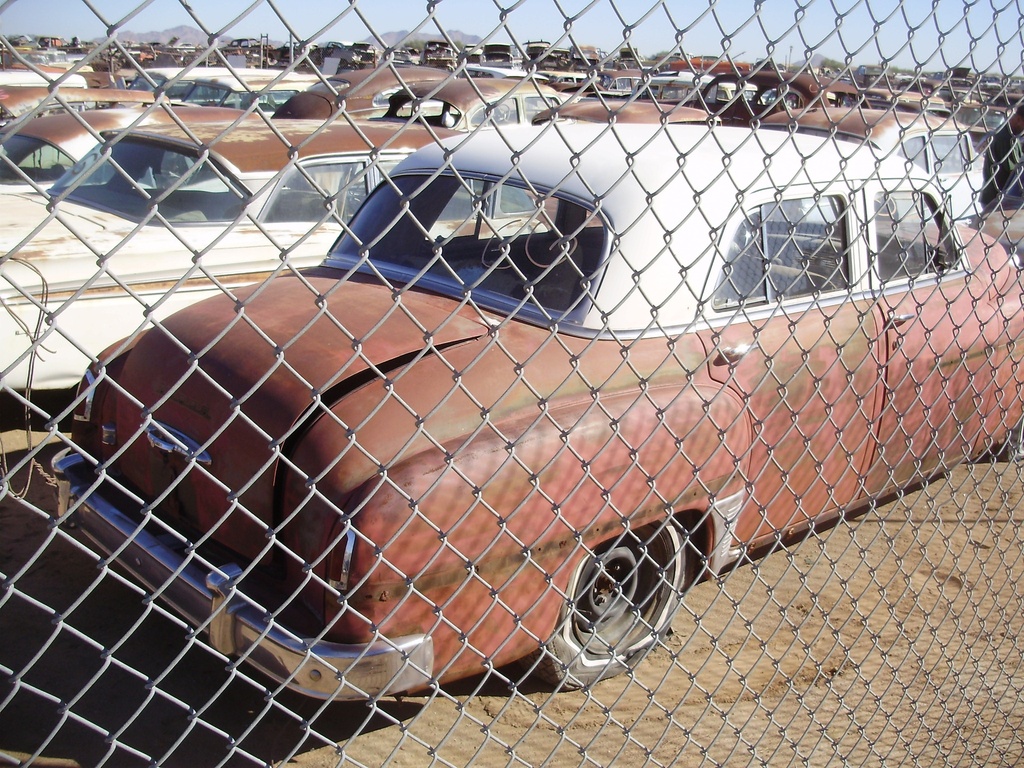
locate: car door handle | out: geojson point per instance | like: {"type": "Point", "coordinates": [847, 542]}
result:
{"type": "Point", "coordinates": [897, 320]}
{"type": "Point", "coordinates": [732, 355]}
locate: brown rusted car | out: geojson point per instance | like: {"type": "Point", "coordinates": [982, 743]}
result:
{"type": "Point", "coordinates": [362, 92]}
{"type": "Point", "coordinates": [740, 99]}
{"type": "Point", "coordinates": [546, 381]}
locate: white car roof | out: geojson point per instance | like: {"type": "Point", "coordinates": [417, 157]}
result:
{"type": "Point", "coordinates": [668, 192]}
{"type": "Point", "coordinates": [623, 166]}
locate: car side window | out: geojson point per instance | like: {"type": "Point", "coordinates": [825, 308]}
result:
{"type": "Point", "coordinates": [140, 175]}
{"type": "Point", "coordinates": [307, 193]}
{"type": "Point", "coordinates": [207, 95]}
{"type": "Point", "coordinates": [914, 150]}
{"type": "Point", "coordinates": [790, 249]}
{"type": "Point", "coordinates": [38, 160]}
{"type": "Point", "coordinates": [534, 105]}
{"type": "Point", "coordinates": [950, 154]}
{"type": "Point", "coordinates": [911, 240]}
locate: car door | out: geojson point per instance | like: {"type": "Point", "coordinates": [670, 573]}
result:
{"type": "Point", "coordinates": [939, 380]}
{"type": "Point", "coordinates": [793, 338]}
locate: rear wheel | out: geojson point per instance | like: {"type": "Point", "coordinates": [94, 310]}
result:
{"type": "Point", "coordinates": [619, 601]}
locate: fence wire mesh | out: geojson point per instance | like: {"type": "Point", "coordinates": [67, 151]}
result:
{"type": "Point", "coordinates": [662, 403]}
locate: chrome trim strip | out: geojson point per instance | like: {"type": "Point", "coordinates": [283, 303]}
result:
{"type": "Point", "coordinates": [341, 583]}
{"type": "Point", "coordinates": [208, 597]}
{"type": "Point", "coordinates": [90, 396]}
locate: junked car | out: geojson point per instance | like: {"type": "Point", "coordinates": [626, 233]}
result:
{"type": "Point", "coordinates": [362, 92]}
{"type": "Point", "coordinates": [941, 146]}
{"type": "Point", "coordinates": [538, 389]}
{"type": "Point", "coordinates": [742, 99]}
{"type": "Point", "coordinates": [463, 105]}
{"type": "Point", "coordinates": [267, 89]}
{"type": "Point", "coordinates": [162, 218]}
{"type": "Point", "coordinates": [35, 154]}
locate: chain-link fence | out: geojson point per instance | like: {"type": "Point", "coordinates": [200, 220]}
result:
{"type": "Point", "coordinates": [628, 383]}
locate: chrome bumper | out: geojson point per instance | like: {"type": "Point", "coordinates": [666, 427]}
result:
{"type": "Point", "coordinates": [208, 599]}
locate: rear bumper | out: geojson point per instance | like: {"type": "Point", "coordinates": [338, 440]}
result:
{"type": "Point", "coordinates": [206, 596]}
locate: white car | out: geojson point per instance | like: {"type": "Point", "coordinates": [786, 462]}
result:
{"type": "Point", "coordinates": [142, 227]}
{"type": "Point", "coordinates": [267, 88]}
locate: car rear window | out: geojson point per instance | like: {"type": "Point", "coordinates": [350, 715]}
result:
{"type": "Point", "coordinates": [24, 156]}
{"type": "Point", "coordinates": [139, 175]}
{"type": "Point", "coordinates": [502, 243]}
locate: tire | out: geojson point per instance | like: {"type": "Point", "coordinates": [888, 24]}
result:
{"type": "Point", "coordinates": [620, 600]}
{"type": "Point", "coordinates": [1012, 450]}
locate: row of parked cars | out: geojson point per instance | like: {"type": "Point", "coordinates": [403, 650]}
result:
{"type": "Point", "coordinates": [464, 393]}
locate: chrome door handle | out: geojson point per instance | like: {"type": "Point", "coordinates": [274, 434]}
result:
{"type": "Point", "coordinates": [732, 355]}
{"type": "Point", "coordinates": [902, 319]}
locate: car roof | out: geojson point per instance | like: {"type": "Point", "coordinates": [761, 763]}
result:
{"type": "Point", "coordinates": [387, 76]}
{"type": "Point", "coordinates": [465, 93]}
{"type": "Point", "coordinates": [610, 110]}
{"type": "Point", "coordinates": [74, 132]}
{"type": "Point", "coordinates": [21, 98]}
{"type": "Point", "coordinates": [664, 190]}
{"type": "Point", "coordinates": [625, 164]}
{"type": "Point", "coordinates": [259, 79]}
{"type": "Point", "coordinates": [253, 146]}
{"type": "Point", "coordinates": [884, 128]}
{"type": "Point", "coordinates": [186, 73]}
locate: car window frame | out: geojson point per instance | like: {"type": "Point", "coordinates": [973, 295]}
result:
{"type": "Point", "coordinates": [372, 174]}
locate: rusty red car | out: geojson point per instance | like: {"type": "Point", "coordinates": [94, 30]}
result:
{"type": "Point", "coordinates": [546, 381]}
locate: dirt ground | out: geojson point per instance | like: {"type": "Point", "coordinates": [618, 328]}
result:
{"type": "Point", "coordinates": [894, 639]}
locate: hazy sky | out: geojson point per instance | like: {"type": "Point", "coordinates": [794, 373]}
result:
{"type": "Point", "coordinates": [985, 34]}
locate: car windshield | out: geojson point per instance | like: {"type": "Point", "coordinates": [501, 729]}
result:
{"type": "Point", "coordinates": [507, 246]}
{"type": "Point", "coordinates": [26, 156]}
{"type": "Point", "coordinates": [139, 175]}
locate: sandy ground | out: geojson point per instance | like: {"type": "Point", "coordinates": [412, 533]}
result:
{"type": "Point", "coordinates": [895, 639]}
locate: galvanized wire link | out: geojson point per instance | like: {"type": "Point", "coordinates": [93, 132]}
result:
{"type": "Point", "coordinates": [581, 443]}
